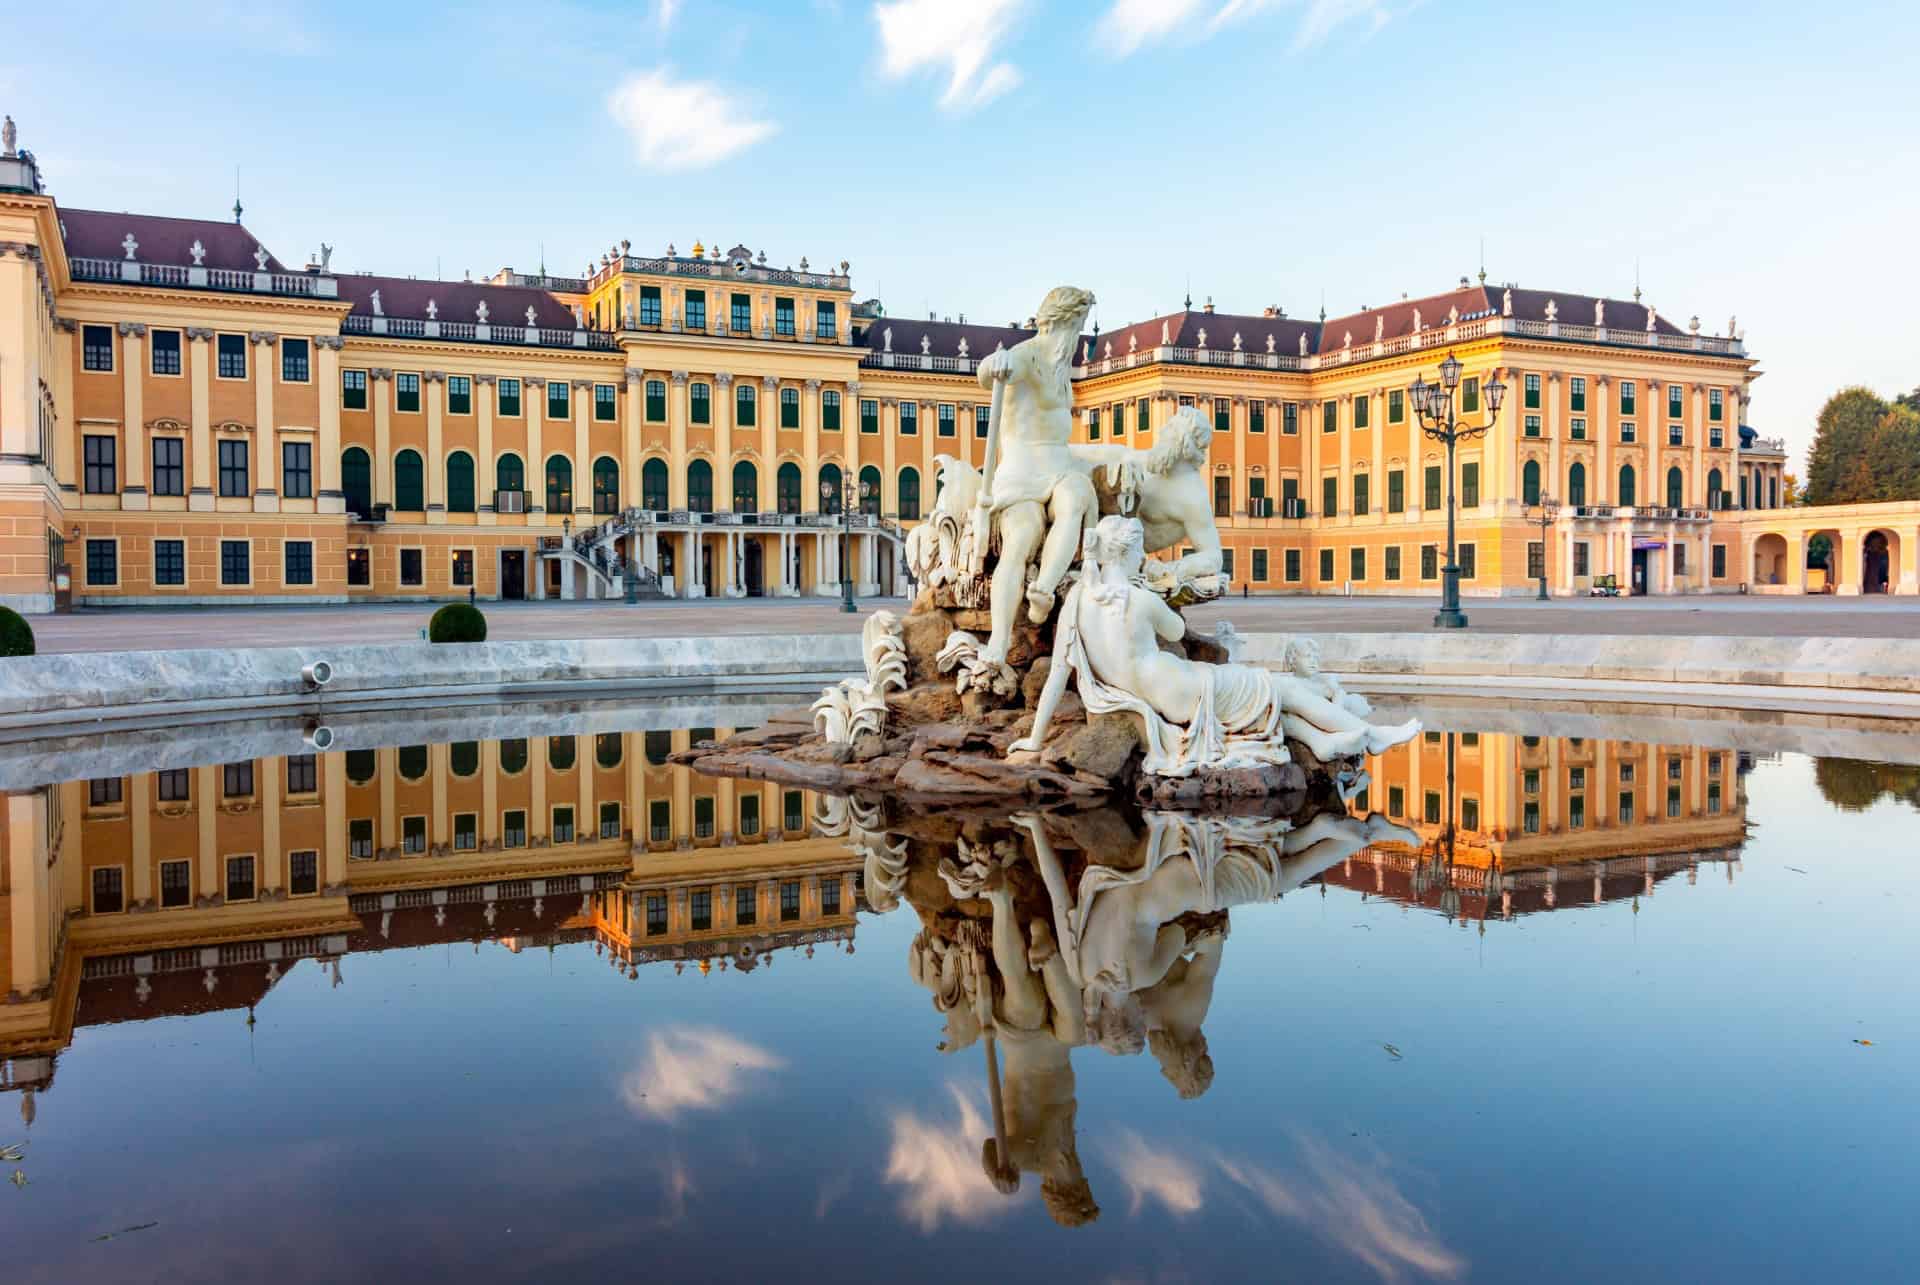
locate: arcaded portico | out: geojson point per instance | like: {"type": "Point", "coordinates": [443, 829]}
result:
{"type": "Point", "coordinates": [1871, 548]}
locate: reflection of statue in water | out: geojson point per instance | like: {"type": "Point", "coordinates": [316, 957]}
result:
{"type": "Point", "coordinates": [1193, 713]}
{"type": "Point", "coordinates": [1122, 955]}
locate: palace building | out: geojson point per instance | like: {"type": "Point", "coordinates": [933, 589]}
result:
{"type": "Point", "coordinates": [187, 418]}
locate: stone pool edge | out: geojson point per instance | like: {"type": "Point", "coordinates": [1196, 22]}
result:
{"type": "Point", "coordinates": [1860, 676]}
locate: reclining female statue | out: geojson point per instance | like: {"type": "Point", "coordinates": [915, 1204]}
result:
{"type": "Point", "coordinates": [1193, 714]}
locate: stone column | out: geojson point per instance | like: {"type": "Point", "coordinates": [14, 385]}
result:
{"type": "Point", "coordinates": [539, 816]}
{"type": "Point", "coordinates": [208, 876]}
{"type": "Point", "coordinates": [486, 469]}
{"type": "Point", "coordinates": [533, 398]}
{"type": "Point", "coordinates": [133, 365]}
{"type": "Point", "coordinates": [1346, 462]}
{"type": "Point", "coordinates": [489, 793]}
{"type": "Point", "coordinates": [580, 400]}
{"type": "Point", "coordinates": [1567, 533]}
{"type": "Point", "coordinates": [436, 470]}
{"type": "Point", "coordinates": [272, 779]}
{"type": "Point", "coordinates": [200, 447]}
{"type": "Point", "coordinates": [677, 448]}
{"type": "Point", "coordinates": [1604, 489]}
{"type": "Point", "coordinates": [387, 771]}
{"type": "Point", "coordinates": [140, 819]}
{"type": "Point", "coordinates": [1377, 469]}
{"type": "Point", "coordinates": [266, 494]}
{"type": "Point", "coordinates": [1553, 482]}
{"type": "Point", "coordinates": [333, 786]}
{"type": "Point", "coordinates": [329, 497]}
{"type": "Point", "coordinates": [380, 383]}
{"type": "Point", "coordinates": [1697, 430]}
{"type": "Point", "coordinates": [632, 461]}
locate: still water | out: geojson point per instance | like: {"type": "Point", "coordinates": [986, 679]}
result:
{"type": "Point", "coordinates": [526, 1008]}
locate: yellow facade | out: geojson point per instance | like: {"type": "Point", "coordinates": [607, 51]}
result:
{"type": "Point", "coordinates": [179, 432]}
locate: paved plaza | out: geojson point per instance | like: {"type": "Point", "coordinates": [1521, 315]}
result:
{"type": "Point", "coordinates": [142, 629]}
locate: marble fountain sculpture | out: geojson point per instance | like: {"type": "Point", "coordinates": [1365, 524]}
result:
{"type": "Point", "coordinates": [1046, 655]}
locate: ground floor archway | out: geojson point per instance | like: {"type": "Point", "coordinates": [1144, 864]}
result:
{"type": "Point", "coordinates": [1770, 560]}
{"type": "Point", "coordinates": [1879, 562]}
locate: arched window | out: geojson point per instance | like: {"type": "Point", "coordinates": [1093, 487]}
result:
{"type": "Point", "coordinates": [742, 404]}
{"type": "Point", "coordinates": [356, 480]}
{"type": "Point", "coordinates": [510, 475]}
{"type": "Point", "coordinates": [1627, 497]}
{"type": "Point", "coordinates": [909, 495]}
{"type": "Point", "coordinates": [607, 748]}
{"type": "Point", "coordinates": [463, 758]}
{"type": "Point", "coordinates": [606, 485]}
{"type": "Point", "coordinates": [559, 484]}
{"type": "Point", "coordinates": [409, 482]}
{"type": "Point", "coordinates": [1773, 492]}
{"type": "Point", "coordinates": [1577, 484]}
{"type": "Point", "coordinates": [653, 484]}
{"type": "Point", "coordinates": [700, 486]}
{"type": "Point", "coordinates": [658, 746]}
{"type": "Point", "coordinates": [1713, 489]}
{"type": "Point", "coordinates": [361, 765]}
{"type": "Point", "coordinates": [513, 755]}
{"type": "Point", "coordinates": [1530, 482]}
{"type": "Point", "coordinates": [870, 490]}
{"type": "Point", "coordinates": [560, 753]}
{"type": "Point", "coordinates": [787, 481]}
{"type": "Point", "coordinates": [412, 761]}
{"type": "Point", "coordinates": [746, 487]}
{"type": "Point", "coordinates": [459, 482]}
{"type": "Point", "coordinates": [1676, 488]}
{"type": "Point", "coordinates": [830, 478]}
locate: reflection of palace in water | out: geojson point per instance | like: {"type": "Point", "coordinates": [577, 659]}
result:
{"type": "Point", "coordinates": [1511, 825]}
{"type": "Point", "coordinates": [196, 889]}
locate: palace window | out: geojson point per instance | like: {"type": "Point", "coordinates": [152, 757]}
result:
{"type": "Point", "coordinates": [830, 411]}
{"type": "Point", "coordinates": [103, 562]}
{"type": "Point", "coordinates": [606, 486]}
{"type": "Point", "coordinates": [1470, 396]}
{"type": "Point", "coordinates": [702, 812]}
{"type": "Point", "coordinates": [1626, 431]}
{"type": "Point", "coordinates": [236, 780]}
{"type": "Point", "coordinates": [946, 428]}
{"type": "Point", "coordinates": [1627, 397]}
{"type": "Point", "coordinates": [558, 404]}
{"type": "Point", "coordinates": [1676, 435]}
{"type": "Point", "coordinates": [1676, 401]}
{"type": "Point", "coordinates": [102, 467]}
{"type": "Point", "coordinates": [409, 482]}
{"type": "Point", "coordinates": [869, 415]}
{"type": "Point", "coordinates": [1396, 491]}
{"type": "Point", "coordinates": [741, 321]}
{"type": "Point", "coordinates": [1468, 562]}
{"type": "Point", "coordinates": [1532, 426]}
{"type": "Point", "coordinates": [1577, 393]}
{"type": "Point", "coordinates": [359, 567]}
{"type": "Point", "coordinates": [1577, 429]}
{"type": "Point", "coordinates": [360, 839]}
{"type": "Point", "coordinates": [649, 305]}
{"type": "Point", "coordinates": [1222, 415]}
{"type": "Point", "coordinates": [790, 899]}
{"type": "Point", "coordinates": [459, 394]}
{"type": "Point", "coordinates": [982, 416]}
{"type": "Point", "coordinates": [1289, 418]}
{"type": "Point", "coordinates": [232, 356]}
{"type": "Point", "coordinates": [1326, 566]}
{"type": "Point", "coordinates": [1429, 561]}
{"type": "Point", "coordinates": [96, 348]}
{"type": "Point", "coordinates": [174, 785]}
{"type": "Point", "coordinates": [295, 362]}
{"type": "Point", "coordinates": [109, 890]}
{"type": "Point", "coordinates": [1226, 562]}
{"type": "Point", "coordinates": [462, 568]}
{"type": "Point", "coordinates": [240, 880]}
{"type": "Point", "coordinates": [700, 403]}
{"type": "Point", "coordinates": [745, 898]}
{"type": "Point", "coordinates": [233, 467]}
{"type": "Point", "coordinates": [743, 406]}
{"type": "Point", "coordinates": [1223, 495]}
{"type": "Point", "coordinates": [513, 828]}
{"type": "Point", "coordinates": [696, 310]}
{"type": "Point", "coordinates": [1356, 563]}
{"type": "Point", "coordinates": [176, 884]}
{"type": "Point", "coordinates": [656, 914]}
{"type": "Point", "coordinates": [1536, 560]}
{"type": "Point", "coordinates": [1329, 496]}
{"type": "Point", "coordinates": [1329, 417]}
{"type": "Point", "coordinates": [1470, 485]}
{"type": "Point", "coordinates": [789, 408]}
{"type": "Point", "coordinates": [783, 317]}
{"type": "Point", "coordinates": [1361, 500]}
{"type": "Point", "coordinates": [656, 401]}
{"type": "Point", "coordinates": [412, 567]}
{"type": "Point", "coordinates": [1716, 436]}
{"type": "Point", "coordinates": [604, 403]}
{"type": "Point", "coordinates": [1533, 392]}
{"type": "Point", "coordinates": [1719, 562]}
{"type": "Point", "coordinates": [1362, 411]}
{"type": "Point", "coordinates": [1142, 417]}
{"type": "Point", "coordinates": [825, 320]}
{"type": "Point", "coordinates": [296, 470]}
{"type": "Point", "coordinates": [563, 825]}
{"type": "Point", "coordinates": [1291, 566]}
{"type": "Point", "coordinates": [299, 568]}
{"type": "Point", "coordinates": [1580, 558]}
{"type": "Point", "coordinates": [1716, 405]}
{"type": "Point", "coordinates": [700, 909]}
{"type": "Point", "coordinates": [1432, 481]}
{"type": "Point", "coordinates": [406, 393]}
{"type": "Point", "coordinates": [1093, 424]}
{"type": "Point", "coordinates": [508, 397]}
{"type": "Point", "coordinates": [609, 820]}
{"type": "Point", "coordinates": [1260, 564]}
{"type": "Point", "coordinates": [170, 562]}
{"type": "Point", "coordinates": [303, 774]}
{"type": "Point", "coordinates": [1392, 560]}
{"type": "Point", "coordinates": [164, 355]}
{"type": "Point", "coordinates": [1256, 417]}
{"type": "Point", "coordinates": [353, 390]}
{"type": "Point", "coordinates": [1530, 482]}
{"type": "Point", "coordinates": [909, 419]}
{"type": "Point", "coordinates": [1396, 406]}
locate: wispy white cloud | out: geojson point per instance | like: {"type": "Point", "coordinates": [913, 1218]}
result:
{"type": "Point", "coordinates": [684, 124]}
{"type": "Point", "coordinates": [1156, 1173]}
{"type": "Point", "coordinates": [1129, 25]}
{"type": "Point", "coordinates": [693, 1069]}
{"type": "Point", "coordinates": [957, 39]}
{"type": "Point", "coordinates": [938, 1163]}
{"type": "Point", "coordinates": [664, 12]}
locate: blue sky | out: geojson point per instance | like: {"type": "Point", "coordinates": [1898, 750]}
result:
{"type": "Point", "coordinates": [1751, 159]}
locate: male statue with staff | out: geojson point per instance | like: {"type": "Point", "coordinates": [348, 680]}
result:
{"type": "Point", "coordinates": [1033, 493]}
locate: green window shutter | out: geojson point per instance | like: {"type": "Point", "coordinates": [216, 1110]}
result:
{"type": "Point", "coordinates": [1361, 411]}
{"type": "Point", "coordinates": [700, 404]}
{"type": "Point", "coordinates": [830, 411]}
{"type": "Point", "coordinates": [1432, 486]}
{"type": "Point", "coordinates": [1329, 496]}
{"type": "Point", "coordinates": [656, 400]}
{"type": "Point", "coordinates": [1469, 486]}
{"type": "Point", "coordinates": [1329, 417]}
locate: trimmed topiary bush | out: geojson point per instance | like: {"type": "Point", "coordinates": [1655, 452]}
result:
{"type": "Point", "coordinates": [16, 635]}
{"type": "Point", "coordinates": [458, 623]}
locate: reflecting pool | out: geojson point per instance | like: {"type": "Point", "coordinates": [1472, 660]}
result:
{"type": "Point", "coordinates": [1540, 1004]}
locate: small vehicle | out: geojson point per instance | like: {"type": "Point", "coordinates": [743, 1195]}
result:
{"type": "Point", "coordinates": [1604, 587]}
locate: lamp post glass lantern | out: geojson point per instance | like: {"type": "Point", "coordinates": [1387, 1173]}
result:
{"type": "Point", "coordinates": [832, 497]}
{"type": "Point", "coordinates": [1433, 406]}
{"type": "Point", "coordinates": [1549, 510]}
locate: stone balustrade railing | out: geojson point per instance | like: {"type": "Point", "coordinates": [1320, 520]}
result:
{"type": "Point", "coordinates": [479, 332]}
{"type": "Point", "coordinates": [182, 276]}
{"type": "Point", "coordinates": [721, 270]}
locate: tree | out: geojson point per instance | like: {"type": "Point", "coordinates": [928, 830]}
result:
{"type": "Point", "coordinates": [1792, 494]}
{"type": "Point", "coordinates": [1865, 450]}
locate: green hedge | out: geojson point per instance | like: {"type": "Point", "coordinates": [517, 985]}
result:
{"type": "Point", "coordinates": [16, 635]}
{"type": "Point", "coordinates": [458, 623]}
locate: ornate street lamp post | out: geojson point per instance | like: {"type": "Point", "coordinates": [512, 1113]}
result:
{"type": "Point", "coordinates": [1433, 403]}
{"type": "Point", "coordinates": [1549, 510]}
{"type": "Point", "coordinates": [830, 496]}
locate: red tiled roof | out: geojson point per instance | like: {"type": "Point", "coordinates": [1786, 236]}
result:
{"type": "Point", "coordinates": [1183, 331]}
{"type": "Point", "coordinates": [457, 300]}
{"type": "Point", "coordinates": [943, 337]}
{"type": "Point", "coordinates": [99, 234]}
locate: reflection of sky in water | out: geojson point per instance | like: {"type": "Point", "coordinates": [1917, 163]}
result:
{"type": "Point", "coordinates": [1667, 1087]}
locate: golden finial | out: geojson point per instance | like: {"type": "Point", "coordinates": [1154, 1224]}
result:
{"type": "Point", "coordinates": [699, 251]}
